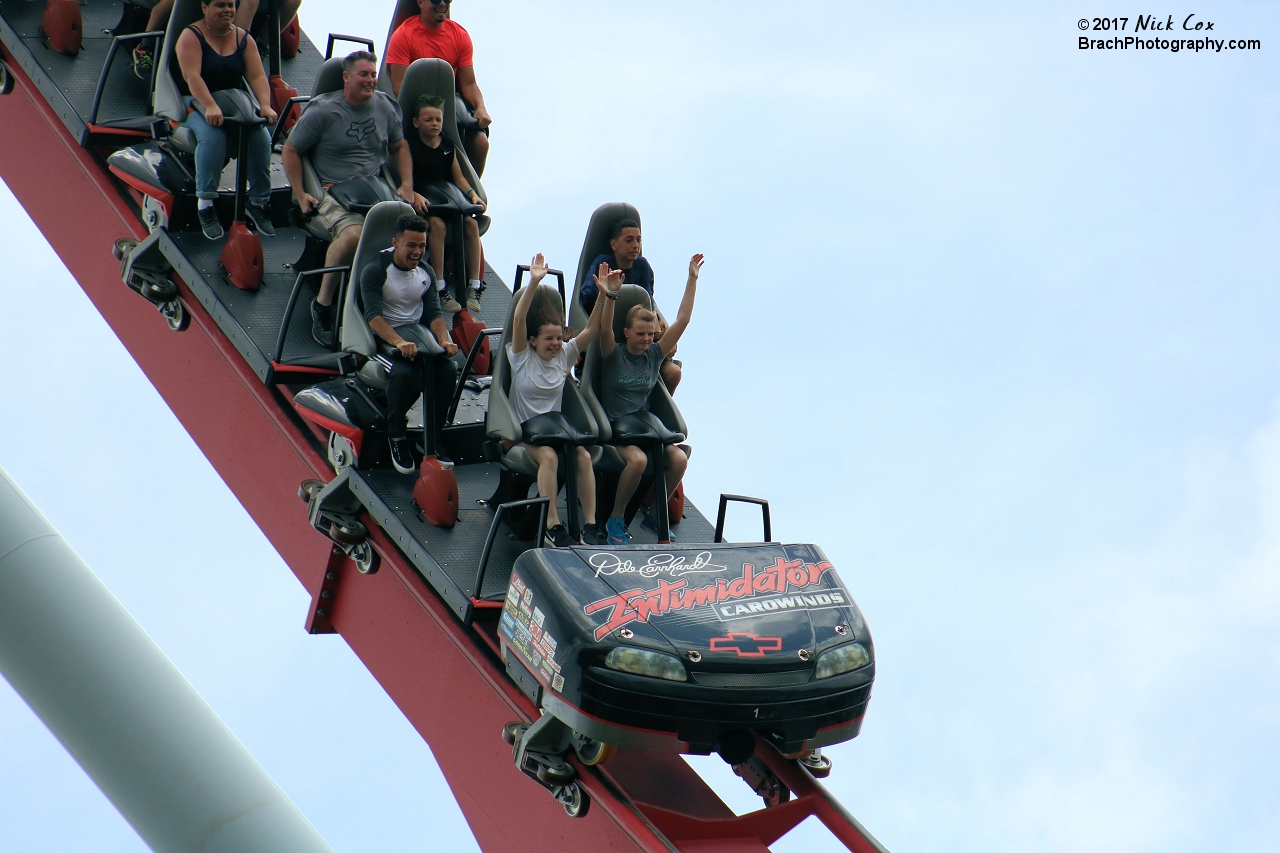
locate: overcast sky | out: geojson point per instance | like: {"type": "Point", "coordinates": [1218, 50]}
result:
{"type": "Point", "coordinates": [990, 318]}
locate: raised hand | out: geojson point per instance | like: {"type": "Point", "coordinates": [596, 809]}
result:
{"type": "Point", "coordinates": [695, 266]}
{"type": "Point", "coordinates": [537, 269]}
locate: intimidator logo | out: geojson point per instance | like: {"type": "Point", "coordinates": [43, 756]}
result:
{"type": "Point", "coordinates": [638, 605]}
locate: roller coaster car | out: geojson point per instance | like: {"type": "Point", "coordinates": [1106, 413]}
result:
{"type": "Point", "coordinates": [695, 649]}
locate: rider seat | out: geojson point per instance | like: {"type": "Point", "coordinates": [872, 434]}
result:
{"type": "Point", "coordinates": [652, 430]}
{"type": "Point", "coordinates": [572, 427]}
{"type": "Point", "coordinates": [594, 245]}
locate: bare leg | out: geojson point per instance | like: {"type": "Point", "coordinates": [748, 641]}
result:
{"type": "Point", "coordinates": [677, 464]}
{"type": "Point", "coordinates": [629, 479]}
{"type": "Point", "coordinates": [548, 487]}
{"type": "Point", "coordinates": [340, 252]}
{"type": "Point", "coordinates": [159, 17]}
{"type": "Point", "coordinates": [473, 249]}
{"type": "Point", "coordinates": [586, 487]}
{"type": "Point", "coordinates": [289, 11]}
{"type": "Point", "coordinates": [435, 246]}
{"type": "Point", "coordinates": [477, 146]}
{"type": "Point", "coordinates": [671, 374]}
{"type": "Point", "coordinates": [245, 13]}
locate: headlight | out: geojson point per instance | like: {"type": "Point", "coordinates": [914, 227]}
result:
{"type": "Point", "coordinates": [844, 659]}
{"type": "Point", "coordinates": [641, 662]}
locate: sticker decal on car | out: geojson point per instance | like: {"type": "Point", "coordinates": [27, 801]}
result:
{"type": "Point", "coordinates": [782, 578]}
{"type": "Point", "coordinates": [746, 645]}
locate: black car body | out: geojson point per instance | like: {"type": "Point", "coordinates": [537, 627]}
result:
{"type": "Point", "coordinates": [732, 638]}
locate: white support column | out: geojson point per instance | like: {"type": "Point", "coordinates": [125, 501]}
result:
{"type": "Point", "coordinates": [122, 710]}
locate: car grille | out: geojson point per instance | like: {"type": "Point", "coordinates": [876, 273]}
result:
{"type": "Point", "coordinates": [752, 679]}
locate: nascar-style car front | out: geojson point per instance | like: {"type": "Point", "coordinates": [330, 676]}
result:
{"type": "Point", "coordinates": [690, 648]}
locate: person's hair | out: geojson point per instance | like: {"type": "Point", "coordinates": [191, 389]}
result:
{"type": "Point", "coordinates": [349, 61]}
{"type": "Point", "coordinates": [639, 314]}
{"type": "Point", "coordinates": [545, 311]}
{"type": "Point", "coordinates": [409, 222]}
{"type": "Point", "coordinates": [616, 231]}
{"type": "Point", "coordinates": [434, 101]}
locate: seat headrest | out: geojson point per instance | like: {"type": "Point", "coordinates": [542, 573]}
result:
{"type": "Point", "coordinates": [379, 228]}
{"type": "Point", "coordinates": [429, 77]}
{"type": "Point", "coordinates": [630, 295]}
{"type": "Point", "coordinates": [595, 244]}
{"type": "Point", "coordinates": [329, 77]}
{"type": "Point", "coordinates": [546, 299]}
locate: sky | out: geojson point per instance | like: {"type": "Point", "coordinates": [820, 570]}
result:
{"type": "Point", "coordinates": [990, 318]}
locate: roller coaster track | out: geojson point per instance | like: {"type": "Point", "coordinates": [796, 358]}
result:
{"type": "Point", "coordinates": [430, 662]}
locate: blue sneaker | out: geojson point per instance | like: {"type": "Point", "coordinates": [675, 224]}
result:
{"type": "Point", "coordinates": [617, 530]}
{"type": "Point", "coordinates": [650, 523]}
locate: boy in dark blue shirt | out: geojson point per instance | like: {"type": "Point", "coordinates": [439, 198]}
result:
{"type": "Point", "coordinates": [625, 243]}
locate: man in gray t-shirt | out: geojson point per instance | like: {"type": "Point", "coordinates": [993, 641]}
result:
{"type": "Point", "coordinates": [349, 134]}
{"type": "Point", "coordinates": [628, 373]}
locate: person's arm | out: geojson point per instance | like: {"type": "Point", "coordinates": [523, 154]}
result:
{"type": "Point", "coordinates": [257, 78]}
{"type": "Point", "coordinates": [441, 331]}
{"type": "Point", "coordinates": [470, 93]}
{"type": "Point", "coordinates": [384, 330]}
{"type": "Point", "coordinates": [293, 171]}
{"type": "Point", "coordinates": [605, 323]}
{"type": "Point", "coordinates": [519, 325]}
{"type": "Point", "coordinates": [610, 283]}
{"type": "Point", "coordinates": [189, 61]}
{"type": "Point", "coordinates": [397, 76]}
{"type": "Point", "coordinates": [676, 329]}
{"type": "Point", "coordinates": [404, 165]}
{"type": "Point", "coordinates": [461, 182]}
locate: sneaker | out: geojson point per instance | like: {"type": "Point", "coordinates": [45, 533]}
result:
{"type": "Point", "coordinates": [448, 304]}
{"type": "Point", "coordinates": [473, 300]}
{"type": "Point", "coordinates": [617, 529]}
{"type": "Point", "coordinates": [401, 454]}
{"type": "Point", "coordinates": [592, 535]}
{"type": "Point", "coordinates": [650, 523]}
{"type": "Point", "coordinates": [209, 223]}
{"type": "Point", "coordinates": [142, 62]}
{"type": "Point", "coordinates": [261, 219]}
{"type": "Point", "coordinates": [558, 536]}
{"type": "Point", "coordinates": [321, 324]}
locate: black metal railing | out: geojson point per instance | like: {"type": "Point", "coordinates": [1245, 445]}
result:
{"type": "Point", "coordinates": [724, 506]}
{"type": "Point", "coordinates": [543, 503]}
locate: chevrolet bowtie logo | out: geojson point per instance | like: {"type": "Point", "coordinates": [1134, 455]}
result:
{"type": "Point", "coordinates": [746, 645]}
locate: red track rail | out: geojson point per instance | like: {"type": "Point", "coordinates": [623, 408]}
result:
{"type": "Point", "coordinates": [428, 662]}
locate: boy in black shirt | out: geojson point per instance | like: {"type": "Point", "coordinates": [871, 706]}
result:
{"type": "Point", "coordinates": [435, 160]}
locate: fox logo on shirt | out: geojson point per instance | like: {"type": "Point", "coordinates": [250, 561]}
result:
{"type": "Point", "coordinates": [360, 129]}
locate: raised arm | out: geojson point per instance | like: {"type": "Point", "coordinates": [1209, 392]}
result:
{"type": "Point", "coordinates": [676, 329]}
{"type": "Point", "coordinates": [605, 277]}
{"type": "Point", "coordinates": [607, 281]}
{"type": "Point", "coordinates": [519, 331]}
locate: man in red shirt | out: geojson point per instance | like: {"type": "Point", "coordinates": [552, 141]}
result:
{"type": "Point", "coordinates": [432, 35]}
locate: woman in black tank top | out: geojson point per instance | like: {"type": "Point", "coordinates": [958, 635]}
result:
{"type": "Point", "coordinates": [215, 54]}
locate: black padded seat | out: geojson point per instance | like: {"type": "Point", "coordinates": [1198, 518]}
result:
{"type": "Point", "coordinates": [596, 243]}
{"type": "Point", "coordinates": [329, 77]}
{"type": "Point", "coordinates": [574, 422]}
{"type": "Point", "coordinates": [661, 404]}
{"type": "Point", "coordinates": [355, 335]}
{"type": "Point", "coordinates": [642, 428]}
{"type": "Point", "coordinates": [435, 77]}
{"type": "Point", "coordinates": [167, 97]}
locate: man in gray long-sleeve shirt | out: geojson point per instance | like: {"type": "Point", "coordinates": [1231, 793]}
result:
{"type": "Point", "coordinates": [400, 303]}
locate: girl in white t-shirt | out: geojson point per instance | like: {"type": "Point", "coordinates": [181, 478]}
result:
{"type": "Point", "coordinates": [540, 363]}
